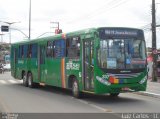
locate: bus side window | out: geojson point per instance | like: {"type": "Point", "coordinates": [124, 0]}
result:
{"type": "Point", "coordinates": [53, 46]}
{"type": "Point", "coordinates": [59, 48]}
{"type": "Point", "coordinates": [25, 49]}
{"type": "Point", "coordinates": [73, 47]}
{"type": "Point", "coordinates": [29, 51]}
{"type": "Point", "coordinates": [34, 50]}
{"type": "Point", "coordinates": [21, 51]}
{"type": "Point", "coordinates": [49, 51]}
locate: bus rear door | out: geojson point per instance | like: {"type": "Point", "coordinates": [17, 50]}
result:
{"type": "Point", "coordinates": [41, 64]}
{"type": "Point", "coordinates": [88, 64]}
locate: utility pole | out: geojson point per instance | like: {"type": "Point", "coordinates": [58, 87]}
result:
{"type": "Point", "coordinates": [154, 44]}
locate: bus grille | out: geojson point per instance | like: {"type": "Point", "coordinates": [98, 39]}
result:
{"type": "Point", "coordinates": [124, 76]}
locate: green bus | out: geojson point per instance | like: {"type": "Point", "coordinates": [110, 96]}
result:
{"type": "Point", "coordinates": [97, 60]}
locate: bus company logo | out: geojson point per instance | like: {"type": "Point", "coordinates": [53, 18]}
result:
{"type": "Point", "coordinates": [72, 66]}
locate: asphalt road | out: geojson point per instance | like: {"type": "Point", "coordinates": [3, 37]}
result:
{"type": "Point", "coordinates": [15, 98]}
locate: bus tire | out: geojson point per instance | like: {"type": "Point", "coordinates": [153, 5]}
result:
{"type": "Point", "coordinates": [75, 89]}
{"type": "Point", "coordinates": [24, 78]}
{"type": "Point", "coordinates": [114, 94]}
{"type": "Point", "coordinates": [30, 80]}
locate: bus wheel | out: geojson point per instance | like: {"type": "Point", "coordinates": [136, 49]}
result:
{"type": "Point", "coordinates": [25, 81]}
{"type": "Point", "coordinates": [30, 81]}
{"type": "Point", "coordinates": [75, 89]}
{"type": "Point", "coordinates": [114, 94]}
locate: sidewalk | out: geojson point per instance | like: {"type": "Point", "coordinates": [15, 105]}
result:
{"type": "Point", "coordinates": [153, 89]}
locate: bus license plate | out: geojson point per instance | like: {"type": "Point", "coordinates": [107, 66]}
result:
{"type": "Point", "coordinates": [125, 89]}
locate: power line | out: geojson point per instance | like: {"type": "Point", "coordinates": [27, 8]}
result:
{"type": "Point", "coordinates": [146, 27]}
{"type": "Point", "coordinates": [113, 4]}
{"type": "Point", "coordinates": [117, 4]}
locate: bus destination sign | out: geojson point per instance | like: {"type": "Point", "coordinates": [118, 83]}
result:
{"type": "Point", "coordinates": [120, 33]}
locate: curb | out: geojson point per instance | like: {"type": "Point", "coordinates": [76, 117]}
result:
{"type": "Point", "coordinates": [150, 94]}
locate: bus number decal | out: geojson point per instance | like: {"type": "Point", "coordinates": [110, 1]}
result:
{"type": "Point", "coordinates": [72, 66]}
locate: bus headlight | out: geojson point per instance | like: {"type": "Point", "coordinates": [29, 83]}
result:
{"type": "Point", "coordinates": [143, 80]}
{"type": "Point", "coordinates": [103, 81]}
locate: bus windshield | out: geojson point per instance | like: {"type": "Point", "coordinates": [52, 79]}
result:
{"type": "Point", "coordinates": [122, 53]}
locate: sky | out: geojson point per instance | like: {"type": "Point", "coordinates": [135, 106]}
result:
{"type": "Point", "coordinates": [75, 15]}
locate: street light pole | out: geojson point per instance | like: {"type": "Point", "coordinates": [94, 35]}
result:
{"type": "Point", "coordinates": [29, 19]}
{"type": "Point", "coordinates": [20, 32]}
{"type": "Point", "coordinates": [9, 33]}
{"type": "Point", "coordinates": [9, 23]}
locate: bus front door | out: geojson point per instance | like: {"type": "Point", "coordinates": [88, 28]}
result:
{"type": "Point", "coordinates": [41, 65]}
{"type": "Point", "coordinates": [88, 64]}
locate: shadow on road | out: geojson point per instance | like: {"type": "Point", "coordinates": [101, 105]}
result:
{"type": "Point", "coordinates": [101, 99]}
{"type": "Point", "coordinates": [108, 99]}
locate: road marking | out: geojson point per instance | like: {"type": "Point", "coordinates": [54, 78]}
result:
{"type": "Point", "coordinates": [93, 105]}
{"type": "Point", "coordinates": [3, 82]}
{"type": "Point", "coordinates": [82, 101]}
{"type": "Point", "coordinates": [100, 108]}
{"type": "Point", "coordinates": [153, 93]}
{"type": "Point", "coordinates": [153, 87]}
{"type": "Point", "coordinates": [12, 81]}
{"type": "Point", "coordinates": [19, 81]}
{"type": "Point", "coordinates": [150, 94]}
{"type": "Point", "coordinates": [4, 105]}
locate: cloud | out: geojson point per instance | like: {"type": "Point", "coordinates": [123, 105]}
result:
{"type": "Point", "coordinates": [75, 14]}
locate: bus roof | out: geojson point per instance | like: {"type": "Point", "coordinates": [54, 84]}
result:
{"type": "Point", "coordinates": [79, 32]}
{"type": "Point", "coordinates": [55, 36]}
